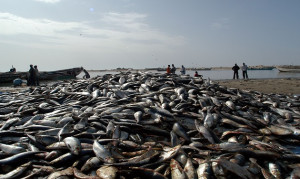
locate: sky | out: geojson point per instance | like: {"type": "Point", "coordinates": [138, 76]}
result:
{"type": "Point", "coordinates": [109, 34]}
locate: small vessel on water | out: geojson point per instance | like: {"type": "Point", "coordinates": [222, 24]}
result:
{"type": "Point", "coordinates": [260, 67]}
{"type": "Point", "coordinates": [200, 69]}
{"type": "Point", "coordinates": [289, 68]}
{"type": "Point", "coordinates": [9, 77]}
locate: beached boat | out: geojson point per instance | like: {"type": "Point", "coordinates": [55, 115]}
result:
{"type": "Point", "coordinates": [291, 68]}
{"type": "Point", "coordinates": [8, 77]}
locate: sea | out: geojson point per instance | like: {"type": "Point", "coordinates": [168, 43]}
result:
{"type": "Point", "coordinates": [212, 74]}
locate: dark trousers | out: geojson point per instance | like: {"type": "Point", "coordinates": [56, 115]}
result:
{"type": "Point", "coordinates": [235, 74]}
{"type": "Point", "coordinates": [31, 81]}
{"type": "Point", "coordinates": [37, 81]}
{"type": "Point", "coordinates": [245, 74]}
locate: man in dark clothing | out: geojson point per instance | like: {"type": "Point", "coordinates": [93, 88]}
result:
{"type": "Point", "coordinates": [31, 77]}
{"type": "Point", "coordinates": [235, 69]}
{"type": "Point", "coordinates": [86, 74]}
{"type": "Point", "coordinates": [173, 69]}
{"type": "Point", "coordinates": [37, 75]}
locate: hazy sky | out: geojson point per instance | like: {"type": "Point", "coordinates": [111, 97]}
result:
{"type": "Point", "coordinates": [106, 34]}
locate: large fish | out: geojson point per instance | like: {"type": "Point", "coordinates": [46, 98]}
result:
{"type": "Point", "coordinates": [73, 145]}
{"type": "Point", "coordinates": [102, 153]}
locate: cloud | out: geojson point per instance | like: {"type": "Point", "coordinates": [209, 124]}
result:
{"type": "Point", "coordinates": [132, 27]}
{"type": "Point", "coordinates": [112, 31]}
{"type": "Point", "coordinates": [222, 23]}
{"type": "Point", "coordinates": [49, 1]}
{"type": "Point", "coordinates": [129, 21]}
{"type": "Point", "coordinates": [12, 24]}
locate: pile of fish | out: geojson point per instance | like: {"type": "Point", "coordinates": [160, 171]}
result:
{"type": "Point", "coordinates": [147, 125]}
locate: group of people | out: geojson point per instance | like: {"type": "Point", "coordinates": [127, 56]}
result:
{"type": "Point", "coordinates": [171, 70]}
{"type": "Point", "coordinates": [182, 70]}
{"type": "Point", "coordinates": [236, 69]}
{"type": "Point", "coordinates": [33, 77]}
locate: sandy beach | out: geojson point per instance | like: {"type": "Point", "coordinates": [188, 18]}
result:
{"type": "Point", "coordinates": [279, 86]}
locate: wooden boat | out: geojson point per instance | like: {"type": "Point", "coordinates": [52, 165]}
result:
{"type": "Point", "coordinates": [294, 69]}
{"type": "Point", "coordinates": [8, 77]}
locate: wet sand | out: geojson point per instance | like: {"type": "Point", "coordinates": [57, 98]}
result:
{"type": "Point", "coordinates": [13, 89]}
{"type": "Point", "coordinates": [285, 86]}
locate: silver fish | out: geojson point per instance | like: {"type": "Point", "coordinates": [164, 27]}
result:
{"type": "Point", "coordinates": [16, 172]}
{"type": "Point", "coordinates": [73, 145]}
{"type": "Point", "coordinates": [102, 153]}
{"type": "Point", "coordinates": [176, 170]}
{"type": "Point", "coordinates": [11, 149]}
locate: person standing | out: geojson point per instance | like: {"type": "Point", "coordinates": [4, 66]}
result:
{"type": "Point", "coordinates": [31, 76]}
{"type": "Point", "coordinates": [173, 69]}
{"type": "Point", "coordinates": [244, 70]}
{"type": "Point", "coordinates": [13, 69]}
{"type": "Point", "coordinates": [235, 69]}
{"type": "Point", "coordinates": [168, 69]}
{"type": "Point", "coordinates": [86, 74]}
{"type": "Point", "coordinates": [182, 70]}
{"type": "Point", "coordinates": [37, 76]}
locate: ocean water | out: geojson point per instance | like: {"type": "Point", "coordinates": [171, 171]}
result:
{"type": "Point", "coordinates": [216, 74]}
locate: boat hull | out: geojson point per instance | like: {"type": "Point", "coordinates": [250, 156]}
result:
{"type": "Point", "coordinates": [292, 70]}
{"type": "Point", "coordinates": [70, 73]}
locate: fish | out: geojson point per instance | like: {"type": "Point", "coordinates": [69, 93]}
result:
{"type": "Point", "coordinates": [16, 172]}
{"type": "Point", "coordinates": [73, 145]}
{"type": "Point", "coordinates": [189, 169]}
{"type": "Point", "coordinates": [62, 173]}
{"type": "Point", "coordinates": [91, 163]}
{"type": "Point", "coordinates": [205, 132]}
{"type": "Point", "coordinates": [180, 131]}
{"type": "Point", "coordinates": [204, 170]}
{"type": "Point", "coordinates": [235, 168]}
{"type": "Point", "coordinates": [177, 171]}
{"type": "Point", "coordinates": [138, 116]}
{"type": "Point", "coordinates": [11, 149]}
{"type": "Point", "coordinates": [102, 153]}
{"type": "Point", "coordinates": [17, 157]}
{"type": "Point", "coordinates": [274, 170]}
{"type": "Point", "coordinates": [147, 125]}
{"type": "Point", "coordinates": [78, 174]}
